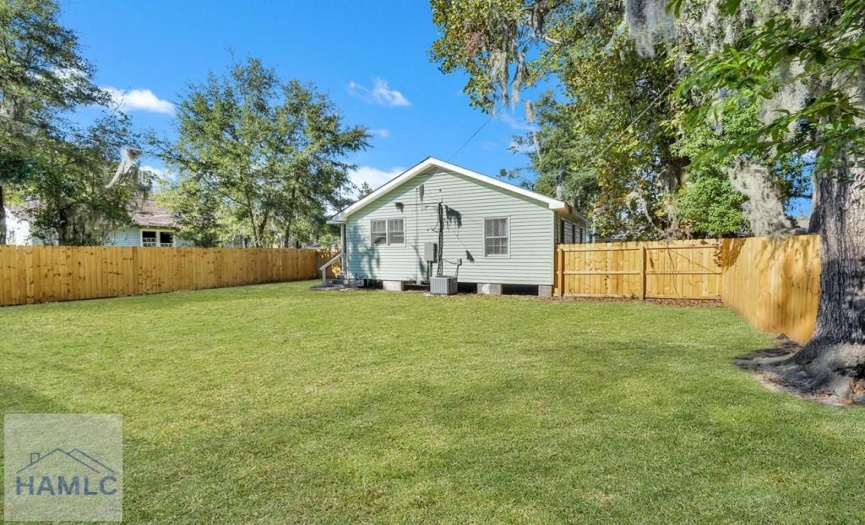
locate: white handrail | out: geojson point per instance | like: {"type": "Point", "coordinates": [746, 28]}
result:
{"type": "Point", "coordinates": [327, 265]}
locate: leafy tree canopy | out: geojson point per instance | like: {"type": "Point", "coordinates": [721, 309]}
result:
{"type": "Point", "coordinates": [260, 152]}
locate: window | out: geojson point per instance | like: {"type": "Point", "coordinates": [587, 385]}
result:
{"type": "Point", "coordinates": [148, 239]}
{"type": "Point", "coordinates": [387, 231]}
{"type": "Point", "coordinates": [154, 238]}
{"type": "Point", "coordinates": [378, 231]}
{"type": "Point", "coordinates": [496, 237]}
{"type": "Point", "coordinates": [395, 231]}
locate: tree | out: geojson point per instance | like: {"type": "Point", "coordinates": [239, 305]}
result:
{"type": "Point", "coordinates": [41, 74]}
{"type": "Point", "coordinates": [611, 135]}
{"type": "Point", "coordinates": [716, 204]}
{"type": "Point", "coordinates": [77, 192]}
{"type": "Point", "coordinates": [199, 213]}
{"type": "Point", "coordinates": [271, 153]}
{"type": "Point", "coordinates": [616, 167]}
{"type": "Point", "coordinates": [804, 63]}
{"type": "Point", "coordinates": [364, 190]}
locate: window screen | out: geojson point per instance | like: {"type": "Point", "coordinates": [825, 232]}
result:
{"type": "Point", "coordinates": [395, 231]}
{"type": "Point", "coordinates": [496, 238]}
{"type": "Point", "coordinates": [166, 239]}
{"type": "Point", "coordinates": [378, 232]}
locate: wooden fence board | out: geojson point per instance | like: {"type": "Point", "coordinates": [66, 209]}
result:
{"type": "Point", "coordinates": [774, 284]}
{"type": "Point", "coordinates": [31, 274]}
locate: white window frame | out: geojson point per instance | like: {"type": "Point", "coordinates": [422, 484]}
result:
{"type": "Point", "coordinates": [371, 234]}
{"type": "Point", "coordinates": [158, 242]}
{"type": "Point", "coordinates": [387, 231]}
{"type": "Point", "coordinates": [389, 243]}
{"type": "Point", "coordinates": [484, 236]}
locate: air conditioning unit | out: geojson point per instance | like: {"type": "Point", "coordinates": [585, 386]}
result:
{"type": "Point", "coordinates": [444, 285]}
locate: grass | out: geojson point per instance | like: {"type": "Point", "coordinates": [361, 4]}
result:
{"type": "Point", "coordinates": [274, 404]}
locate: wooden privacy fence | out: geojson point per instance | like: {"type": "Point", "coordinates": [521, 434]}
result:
{"type": "Point", "coordinates": [773, 284]}
{"type": "Point", "coordinates": [680, 270]}
{"type": "Point", "coordinates": [39, 274]}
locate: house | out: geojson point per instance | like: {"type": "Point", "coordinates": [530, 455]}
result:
{"type": "Point", "coordinates": [153, 225]}
{"type": "Point", "coordinates": [18, 225]}
{"type": "Point", "coordinates": [493, 234]}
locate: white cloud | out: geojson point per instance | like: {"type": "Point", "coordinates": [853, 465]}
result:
{"type": "Point", "coordinates": [159, 172]}
{"type": "Point", "coordinates": [379, 94]}
{"type": "Point", "coordinates": [517, 123]}
{"type": "Point", "coordinates": [164, 177]}
{"type": "Point", "coordinates": [373, 176]}
{"type": "Point", "coordinates": [139, 100]}
{"type": "Point", "coordinates": [383, 133]}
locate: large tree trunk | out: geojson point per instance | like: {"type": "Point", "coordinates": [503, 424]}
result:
{"type": "Point", "coordinates": [834, 359]}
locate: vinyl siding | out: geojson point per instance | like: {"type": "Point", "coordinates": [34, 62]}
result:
{"type": "Point", "coordinates": [18, 231]}
{"type": "Point", "coordinates": [124, 237]}
{"type": "Point", "coordinates": [468, 202]}
{"type": "Point", "coordinates": [132, 237]}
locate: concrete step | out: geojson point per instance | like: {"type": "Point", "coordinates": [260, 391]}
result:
{"type": "Point", "coordinates": [327, 287]}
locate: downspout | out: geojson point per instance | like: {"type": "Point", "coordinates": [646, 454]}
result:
{"type": "Point", "coordinates": [343, 245]}
{"type": "Point", "coordinates": [417, 277]}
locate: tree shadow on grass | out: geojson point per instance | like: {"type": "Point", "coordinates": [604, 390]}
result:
{"type": "Point", "coordinates": [15, 399]}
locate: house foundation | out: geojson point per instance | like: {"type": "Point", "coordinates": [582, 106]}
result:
{"type": "Point", "coordinates": [545, 291]}
{"type": "Point", "coordinates": [489, 288]}
{"type": "Point", "coordinates": [392, 286]}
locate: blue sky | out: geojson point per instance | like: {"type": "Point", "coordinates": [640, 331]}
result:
{"type": "Point", "coordinates": [369, 57]}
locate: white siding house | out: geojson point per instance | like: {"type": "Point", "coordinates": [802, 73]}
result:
{"type": "Point", "coordinates": [494, 232]}
{"type": "Point", "coordinates": [18, 225]}
{"type": "Point", "coordinates": [153, 225]}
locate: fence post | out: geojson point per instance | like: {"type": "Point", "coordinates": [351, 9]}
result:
{"type": "Point", "coordinates": [643, 273]}
{"type": "Point", "coordinates": [560, 270]}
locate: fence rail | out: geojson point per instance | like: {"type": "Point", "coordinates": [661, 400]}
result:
{"type": "Point", "coordinates": [38, 274]}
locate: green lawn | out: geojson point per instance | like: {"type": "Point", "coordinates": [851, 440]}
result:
{"type": "Point", "coordinates": [274, 404]}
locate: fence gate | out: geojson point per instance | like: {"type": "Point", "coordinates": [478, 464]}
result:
{"type": "Point", "coordinates": [668, 270]}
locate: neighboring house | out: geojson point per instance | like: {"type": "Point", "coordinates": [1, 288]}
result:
{"type": "Point", "coordinates": [18, 225]}
{"type": "Point", "coordinates": [495, 233]}
{"type": "Point", "coordinates": [153, 225]}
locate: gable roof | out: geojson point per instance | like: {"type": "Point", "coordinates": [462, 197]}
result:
{"type": "Point", "coordinates": [152, 215]}
{"type": "Point", "coordinates": [432, 162]}
{"type": "Point", "coordinates": [149, 214]}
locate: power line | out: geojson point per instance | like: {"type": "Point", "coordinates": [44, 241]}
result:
{"type": "Point", "coordinates": [475, 134]}
{"type": "Point", "coordinates": [638, 117]}
{"type": "Point", "coordinates": [609, 144]}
